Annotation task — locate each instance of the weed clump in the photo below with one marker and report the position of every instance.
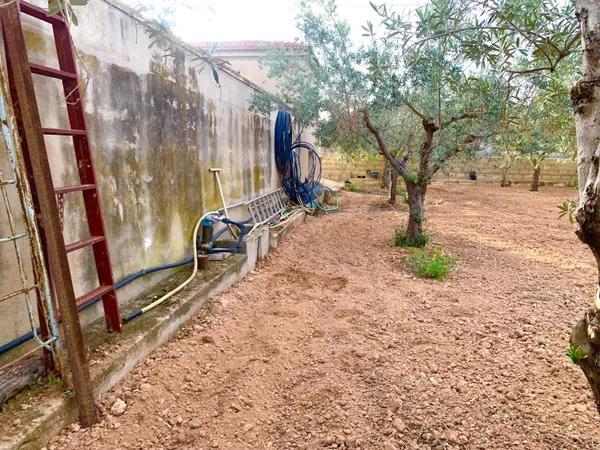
(431, 264)
(576, 354)
(351, 187)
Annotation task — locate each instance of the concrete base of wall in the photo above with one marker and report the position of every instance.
(32, 418)
(278, 234)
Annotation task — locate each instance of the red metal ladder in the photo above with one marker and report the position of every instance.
(67, 73)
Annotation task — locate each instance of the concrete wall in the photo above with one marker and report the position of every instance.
(13, 317)
(156, 125)
(554, 172)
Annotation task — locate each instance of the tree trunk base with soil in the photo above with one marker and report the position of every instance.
(416, 201)
(586, 338)
(385, 178)
(535, 182)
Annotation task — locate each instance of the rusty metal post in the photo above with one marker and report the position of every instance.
(25, 105)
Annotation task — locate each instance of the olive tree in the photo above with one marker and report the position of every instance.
(389, 90)
(534, 37)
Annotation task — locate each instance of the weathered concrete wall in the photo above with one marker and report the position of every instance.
(156, 125)
(554, 172)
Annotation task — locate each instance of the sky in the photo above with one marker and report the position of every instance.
(234, 20)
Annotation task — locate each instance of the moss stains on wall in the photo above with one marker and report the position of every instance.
(36, 44)
(158, 140)
(156, 125)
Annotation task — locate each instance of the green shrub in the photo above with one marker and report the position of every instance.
(431, 264)
(351, 187)
(402, 240)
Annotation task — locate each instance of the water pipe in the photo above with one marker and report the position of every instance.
(138, 312)
(130, 278)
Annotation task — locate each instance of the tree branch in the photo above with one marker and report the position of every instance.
(469, 115)
(399, 166)
(416, 111)
(470, 139)
(533, 70)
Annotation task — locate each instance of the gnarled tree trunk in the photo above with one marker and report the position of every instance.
(504, 180)
(386, 176)
(535, 181)
(416, 203)
(586, 99)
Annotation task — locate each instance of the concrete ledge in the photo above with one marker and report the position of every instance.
(33, 417)
(335, 186)
(277, 234)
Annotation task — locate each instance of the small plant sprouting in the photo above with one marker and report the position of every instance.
(54, 380)
(351, 187)
(69, 393)
(51, 381)
(567, 208)
(576, 354)
(402, 240)
(431, 264)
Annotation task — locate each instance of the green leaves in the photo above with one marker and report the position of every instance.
(500, 34)
(65, 6)
(576, 354)
(567, 208)
(55, 6)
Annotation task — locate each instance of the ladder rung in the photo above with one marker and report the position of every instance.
(39, 13)
(7, 182)
(81, 187)
(63, 132)
(84, 243)
(53, 73)
(13, 238)
(88, 298)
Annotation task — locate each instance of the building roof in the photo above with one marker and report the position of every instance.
(253, 45)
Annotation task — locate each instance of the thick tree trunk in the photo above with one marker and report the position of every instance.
(416, 202)
(385, 178)
(393, 187)
(504, 180)
(586, 99)
(535, 181)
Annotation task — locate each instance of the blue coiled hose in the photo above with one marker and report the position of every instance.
(302, 190)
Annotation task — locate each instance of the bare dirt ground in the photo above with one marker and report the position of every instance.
(333, 343)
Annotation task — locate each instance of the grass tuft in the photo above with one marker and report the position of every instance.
(351, 187)
(576, 354)
(402, 240)
(431, 264)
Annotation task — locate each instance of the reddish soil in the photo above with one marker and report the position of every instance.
(334, 343)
